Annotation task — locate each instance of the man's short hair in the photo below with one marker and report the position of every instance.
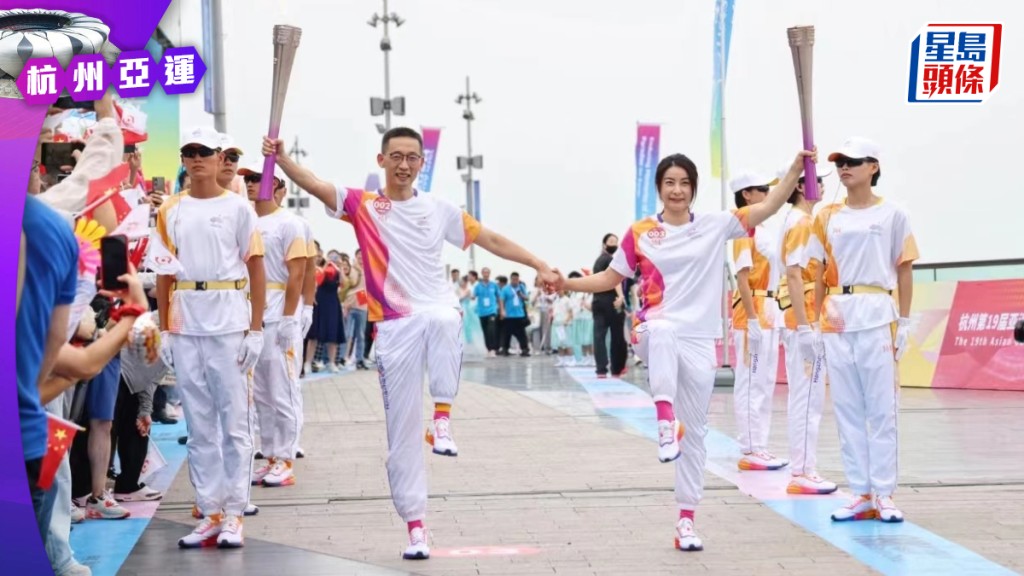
(399, 132)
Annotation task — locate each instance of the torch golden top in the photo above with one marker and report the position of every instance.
(801, 35)
(287, 35)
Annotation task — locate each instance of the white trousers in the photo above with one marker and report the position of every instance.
(806, 383)
(408, 349)
(215, 395)
(865, 396)
(682, 371)
(275, 389)
(753, 389)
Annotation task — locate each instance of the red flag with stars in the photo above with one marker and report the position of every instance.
(58, 442)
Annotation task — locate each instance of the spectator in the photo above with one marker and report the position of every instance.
(513, 313)
(486, 295)
(609, 315)
(355, 307)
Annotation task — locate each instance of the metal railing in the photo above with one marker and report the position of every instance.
(976, 270)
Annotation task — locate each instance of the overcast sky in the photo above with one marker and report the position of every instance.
(565, 82)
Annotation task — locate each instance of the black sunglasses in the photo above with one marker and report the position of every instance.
(760, 188)
(253, 178)
(193, 151)
(232, 157)
(851, 162)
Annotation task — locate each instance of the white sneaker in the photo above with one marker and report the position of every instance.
(887, 510)
(686, 539)
(231, 534)
(439, 435)
(280, 475)
(77, 515)
(105, 508)
(260, 473)
(559, 363)
(669, 434)
(810, 484)
(492, 354)
(205, 534)
(143, 494)
(761, 460)
(417, 549)
(333, 368)
(860, 508)
(251, 509)
(307, 369)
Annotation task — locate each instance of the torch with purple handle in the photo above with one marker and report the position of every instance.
(286, 42)
(801, 44)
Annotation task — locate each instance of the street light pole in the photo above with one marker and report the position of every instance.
(296, 201)
(387, 105)
(469, 161)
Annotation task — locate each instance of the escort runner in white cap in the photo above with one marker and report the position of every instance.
(204, 246)
(754, 317)
(419, 323)
(805, 358)
(867, 248)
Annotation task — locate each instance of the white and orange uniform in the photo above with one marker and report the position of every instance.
(755, 368)
(300, 346)
(210, 240)
(862, 249)
(275, 378)
(805, 376)
(419, 319)
(679, 319)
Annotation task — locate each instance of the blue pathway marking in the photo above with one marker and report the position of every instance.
(896, 549)
(104, 545)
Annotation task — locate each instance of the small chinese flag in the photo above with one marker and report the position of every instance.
(58, 442)
(108, 188)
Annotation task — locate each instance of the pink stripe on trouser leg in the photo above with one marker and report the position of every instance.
(695, 359)
(806, 383)
(401, 356)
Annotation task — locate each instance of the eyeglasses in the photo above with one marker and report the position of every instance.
(232, 157)
(762, 189)
(193, 151)
(851, 162)
(253, 178)
(412, 159)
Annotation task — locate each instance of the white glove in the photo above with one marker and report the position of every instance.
(754, 336)
(288, 332)
(252, 345)
(809, 341)
(902, 337)
(307, 320)
(165, 349)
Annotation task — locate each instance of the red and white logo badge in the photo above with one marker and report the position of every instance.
(656, 235)
(382, 205)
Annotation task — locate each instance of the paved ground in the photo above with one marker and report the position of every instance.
(547, 484)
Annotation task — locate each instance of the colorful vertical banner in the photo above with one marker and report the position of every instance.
(723, 36)
(431, 136)
(476, 200)
(648, 137)
(160, 151)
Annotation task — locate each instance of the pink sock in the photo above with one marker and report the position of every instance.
(686, 514)
(415, 524)
(664, 409)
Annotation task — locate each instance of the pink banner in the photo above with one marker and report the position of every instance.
(431, 137)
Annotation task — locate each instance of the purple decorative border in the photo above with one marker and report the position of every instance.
(131, 25)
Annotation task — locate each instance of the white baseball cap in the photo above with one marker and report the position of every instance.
(749, 180)
(201, 135)
(257, 168)
(228, 143)
(857, 147)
